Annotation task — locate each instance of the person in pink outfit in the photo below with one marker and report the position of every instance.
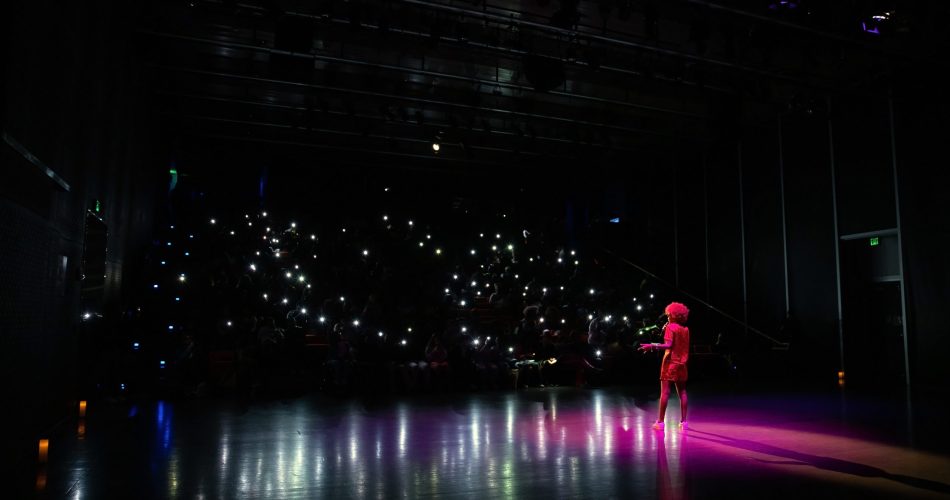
(673, 367)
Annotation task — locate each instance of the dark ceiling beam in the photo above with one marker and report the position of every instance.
(397, 97)
(378, 119)
(414, 71)
(359, 152)
(489, 16)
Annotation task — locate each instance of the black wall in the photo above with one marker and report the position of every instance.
(74, 98)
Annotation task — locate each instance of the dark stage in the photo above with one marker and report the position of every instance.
(535, 443)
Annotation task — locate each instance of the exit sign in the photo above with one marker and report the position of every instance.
(875, 242)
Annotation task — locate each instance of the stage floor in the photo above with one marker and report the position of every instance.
(535, 443)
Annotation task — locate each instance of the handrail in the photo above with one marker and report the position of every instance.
(697, 299)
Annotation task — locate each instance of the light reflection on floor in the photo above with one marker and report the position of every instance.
(551, 443)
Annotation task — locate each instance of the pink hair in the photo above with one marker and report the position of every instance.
(677, 312)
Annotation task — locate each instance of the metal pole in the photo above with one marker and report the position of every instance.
(676, 230)
(834, 214)
(706, 217)
(781, 182)
(745, 304)
(900, 240)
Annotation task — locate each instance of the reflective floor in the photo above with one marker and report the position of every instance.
(555, 443)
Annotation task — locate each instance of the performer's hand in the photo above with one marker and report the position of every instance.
(646, 347)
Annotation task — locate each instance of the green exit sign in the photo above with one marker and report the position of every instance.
(875, 242)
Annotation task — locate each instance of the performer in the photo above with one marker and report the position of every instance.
(673, 367)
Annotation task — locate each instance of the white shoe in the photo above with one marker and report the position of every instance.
(658, 426)
(684, 425)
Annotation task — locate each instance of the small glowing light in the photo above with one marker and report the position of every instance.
(214, 221)
(191, 236)
(284, 301)
(308, 285)
(410, 222)
(386, 190)
(524, 294)
(313, 236)
(590, 316)
(428, 236)
(516, 276)
(447, 290)
(541, 320)
(403, 342)
(526, 287)
(344, 229)
(249, 224)
(511, 247)
(264, 214)
(472, 251)
(544, 290)
(365, 253)
(651, 295)
(436, 147)
(577, 262)
(267, 229)
(86, 315)
(634, 299)
(409, 329)
(293, 224)
(438, 251)
(599, 353)
(474, 284)
(494, 248)
(639, 308)
(625, 318)
(161, 364)
(303, 310)
(530, 259)
(563, 321)
(155, 286)
(573, 252)
(455, 276)
(163, 262)
(177, 299)
(253, 267)
(265, 296)
(511, 349)
(478, 293)
(421, 244)
(385, 218)
(475, 341)
(560, 260)
(301, 278)
(342, 298)
(181, 278)
(462, 303)
(289, 275)
(232, 233)
(609, 317)
(171, 327)
(356, 322)
(229, 323)
(497, 236)
(481, 235)
(247, 216)
(168, 244)
(464, 329)
(135, 345)
(380, 334)
(591, 291)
